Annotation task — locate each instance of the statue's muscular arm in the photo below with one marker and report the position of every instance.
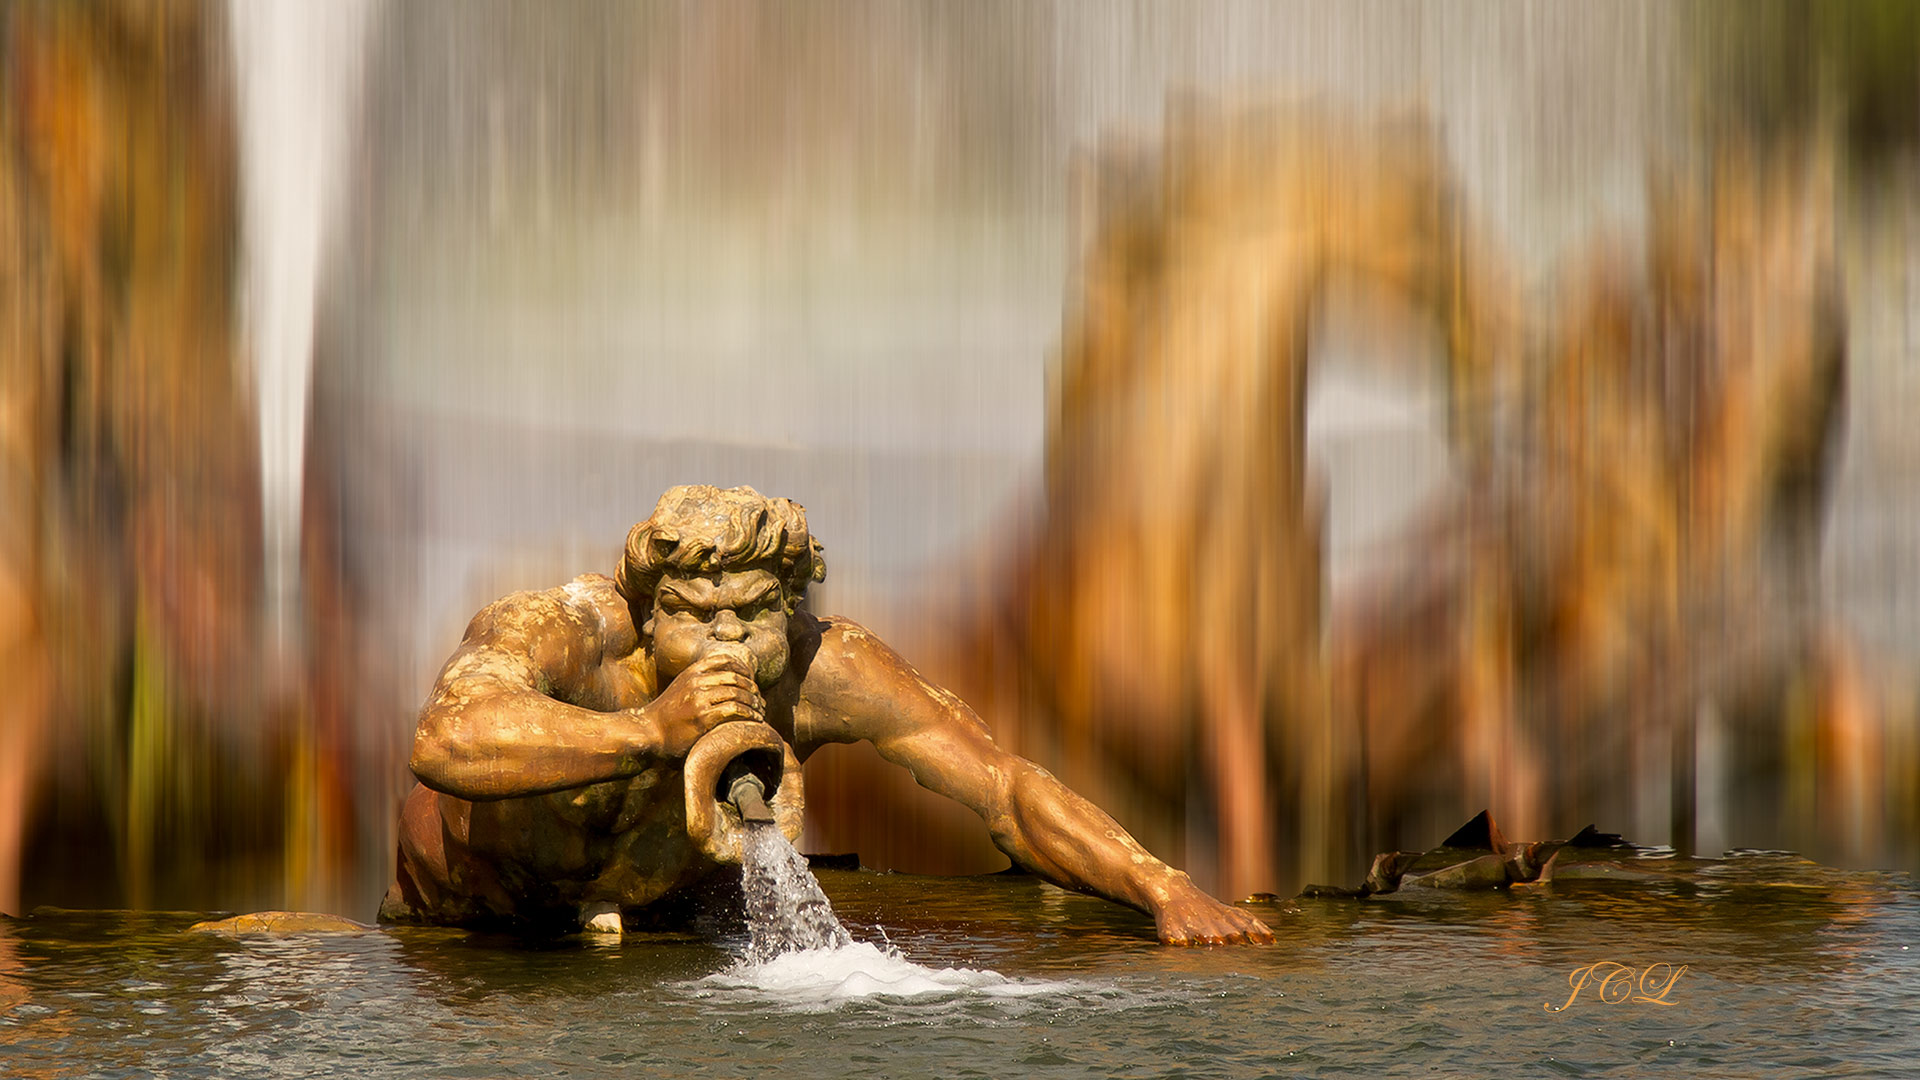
(536, 699)
(858, 688)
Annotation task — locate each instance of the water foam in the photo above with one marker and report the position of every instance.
(858, 970)
(799, 955)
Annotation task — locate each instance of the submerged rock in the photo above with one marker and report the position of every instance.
(1316, 892)
(280, 922)
(1557, 870)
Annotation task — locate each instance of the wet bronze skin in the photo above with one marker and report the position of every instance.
(549, 750)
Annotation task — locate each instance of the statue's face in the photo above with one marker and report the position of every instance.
(743, 609)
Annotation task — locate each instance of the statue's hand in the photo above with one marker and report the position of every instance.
(713, 690)
(1191, 917)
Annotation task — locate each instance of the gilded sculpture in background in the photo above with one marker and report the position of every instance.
(1641, 460)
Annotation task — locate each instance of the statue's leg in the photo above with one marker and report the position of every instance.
(436, 880)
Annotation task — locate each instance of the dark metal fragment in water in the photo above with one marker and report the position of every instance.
(1478, 856)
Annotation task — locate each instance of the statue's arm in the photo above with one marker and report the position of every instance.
(1035, 819)
(519, 709)
(495, 725)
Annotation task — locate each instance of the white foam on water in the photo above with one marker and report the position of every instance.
(800, 956)
(812, 979)
(862, 970)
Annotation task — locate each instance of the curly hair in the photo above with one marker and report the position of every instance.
(700, 529)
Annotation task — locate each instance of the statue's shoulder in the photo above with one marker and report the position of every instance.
(847, 644)
(594, 593)
(589, 605)
(858, 687)
(838, 629)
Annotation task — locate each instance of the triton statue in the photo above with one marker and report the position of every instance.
(550, 753)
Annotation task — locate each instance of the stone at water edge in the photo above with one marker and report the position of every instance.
(602, 918)
(280, 922)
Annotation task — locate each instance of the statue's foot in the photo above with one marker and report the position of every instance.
(601, 918)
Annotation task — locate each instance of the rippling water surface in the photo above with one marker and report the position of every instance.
(1789, 969)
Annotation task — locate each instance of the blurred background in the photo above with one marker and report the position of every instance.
(1299, 426)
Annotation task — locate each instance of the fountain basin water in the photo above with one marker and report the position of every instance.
(1793, 970)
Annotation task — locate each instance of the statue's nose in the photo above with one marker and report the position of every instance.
(728, 627)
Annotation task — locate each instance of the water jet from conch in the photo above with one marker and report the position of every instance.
(786, 911)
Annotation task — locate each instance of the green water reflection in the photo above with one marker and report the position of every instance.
(1791, 969)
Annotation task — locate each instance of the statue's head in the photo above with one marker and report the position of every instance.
(713, 566)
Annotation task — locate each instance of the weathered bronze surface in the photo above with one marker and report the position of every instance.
(551, 751)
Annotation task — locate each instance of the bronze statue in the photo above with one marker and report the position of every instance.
(551, 748)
